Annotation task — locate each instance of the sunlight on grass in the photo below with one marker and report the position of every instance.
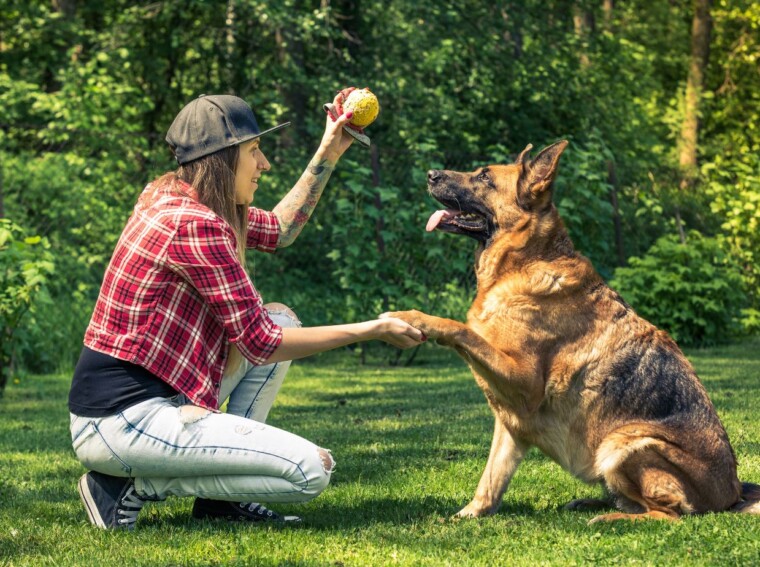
(410, 444)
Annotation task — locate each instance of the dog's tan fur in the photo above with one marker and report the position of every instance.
(567, 366)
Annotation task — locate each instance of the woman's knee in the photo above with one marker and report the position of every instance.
(319, 469)
(282, 315)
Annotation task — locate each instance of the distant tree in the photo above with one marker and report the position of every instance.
(700, 51)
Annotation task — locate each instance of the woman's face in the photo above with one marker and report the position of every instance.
(251, 164)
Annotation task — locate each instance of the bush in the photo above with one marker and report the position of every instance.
(25, 264)
(691, 290)
(733, 186)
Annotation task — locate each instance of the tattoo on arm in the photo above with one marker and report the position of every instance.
(296, 207)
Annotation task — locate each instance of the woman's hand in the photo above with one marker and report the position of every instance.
(335, 141)
(398, 333)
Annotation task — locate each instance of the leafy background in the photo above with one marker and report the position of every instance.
(88, 89)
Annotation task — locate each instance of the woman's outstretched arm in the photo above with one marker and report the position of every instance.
(302, 342)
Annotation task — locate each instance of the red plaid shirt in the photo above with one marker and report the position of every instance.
(175, 294)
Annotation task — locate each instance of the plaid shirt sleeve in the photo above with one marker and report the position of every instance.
(202, 252)
(263, 230)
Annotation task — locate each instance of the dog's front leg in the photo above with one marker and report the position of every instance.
(513, 379)
(503, 460)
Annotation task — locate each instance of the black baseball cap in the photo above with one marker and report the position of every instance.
(211, 123)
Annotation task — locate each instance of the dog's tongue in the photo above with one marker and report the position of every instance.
(437, 216)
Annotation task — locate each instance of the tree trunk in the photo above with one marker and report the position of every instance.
(66, 7)
(612, 179)
(608, 6)
(700, 50)
(2, 199)
(69, 9)
(583, 24)
(324, 5)
(290, 53)
(229, 48)
(349, 17)
(5, 365)
(512, 30)
(583, 21)
(380, 222)
(160, 92)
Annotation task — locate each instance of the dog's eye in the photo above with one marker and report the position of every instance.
(483, 176)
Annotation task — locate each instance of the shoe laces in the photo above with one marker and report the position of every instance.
(256, 508)
(132, 505)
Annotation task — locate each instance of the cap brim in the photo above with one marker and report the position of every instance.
(260, 134)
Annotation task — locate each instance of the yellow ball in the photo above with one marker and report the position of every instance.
(364, 105)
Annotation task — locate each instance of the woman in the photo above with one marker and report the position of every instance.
(179, 328)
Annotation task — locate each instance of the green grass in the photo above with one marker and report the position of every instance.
(410, 444)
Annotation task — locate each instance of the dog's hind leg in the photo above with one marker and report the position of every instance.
(649, 488)
(503, 460)
(640, 468)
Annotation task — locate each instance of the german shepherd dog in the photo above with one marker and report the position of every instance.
(567, 366)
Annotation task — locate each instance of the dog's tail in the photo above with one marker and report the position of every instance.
(750, 502)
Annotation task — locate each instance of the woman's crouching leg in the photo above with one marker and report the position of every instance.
(184, 450)
(189, 451)
(311, 478)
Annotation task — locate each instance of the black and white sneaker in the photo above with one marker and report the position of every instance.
(111, 502)
(204, 508)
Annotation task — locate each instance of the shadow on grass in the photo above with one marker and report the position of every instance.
(327, 516)
(436, 516)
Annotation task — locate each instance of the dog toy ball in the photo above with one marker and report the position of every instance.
(363, 103)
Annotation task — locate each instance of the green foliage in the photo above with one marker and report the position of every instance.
(582, 195)
(692, 290)
(731, 170)
(25, 265)
(734, 186)
(86, 96)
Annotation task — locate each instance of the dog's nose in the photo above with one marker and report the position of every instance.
(434, 176)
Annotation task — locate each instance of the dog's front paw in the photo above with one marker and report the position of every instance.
(434, 327)
(475, 510)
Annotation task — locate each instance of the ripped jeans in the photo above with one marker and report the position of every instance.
(172, 448)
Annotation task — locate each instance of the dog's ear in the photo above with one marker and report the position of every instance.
(538, 174)
(524, 155)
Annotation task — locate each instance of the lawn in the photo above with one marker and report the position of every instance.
(410, 444)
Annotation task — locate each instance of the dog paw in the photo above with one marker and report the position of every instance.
(416, 319)
(618, 516)
(473, 510)
(587, 505)
(435, 328)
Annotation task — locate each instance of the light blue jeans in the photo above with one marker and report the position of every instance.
(172, 448)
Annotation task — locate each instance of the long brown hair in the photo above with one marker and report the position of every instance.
(213, 177)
